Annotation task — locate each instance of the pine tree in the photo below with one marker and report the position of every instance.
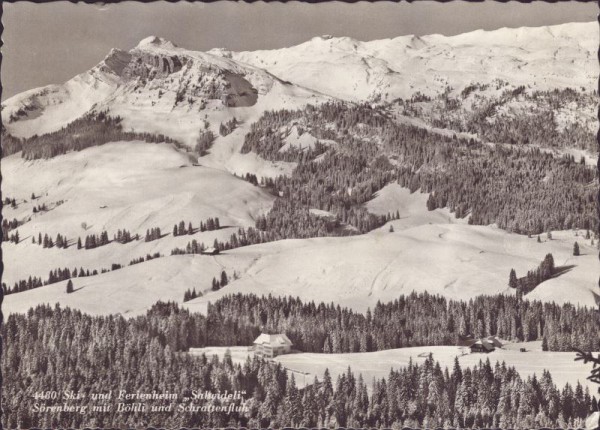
(544, 344)
(512, 279)
(519, 294)
(69, 287)
(576, 249)
(391, 228)
(224, 280)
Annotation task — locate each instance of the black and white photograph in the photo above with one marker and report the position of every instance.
(300, 215)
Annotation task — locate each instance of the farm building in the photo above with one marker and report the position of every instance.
(482, 345)
(466, 340)
(272, 345)
(495, 341)
(488, 344)
(210, 251)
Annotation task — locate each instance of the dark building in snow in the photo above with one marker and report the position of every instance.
(482, 345)
(488, 344)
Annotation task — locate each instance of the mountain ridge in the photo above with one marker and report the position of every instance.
(374, 70)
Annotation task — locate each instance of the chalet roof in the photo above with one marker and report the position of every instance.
(466, 340)
(495, 341)
(487, 345)
(210, 251)
(273, 339)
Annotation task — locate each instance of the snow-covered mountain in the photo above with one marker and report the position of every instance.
(157, 87)
(543, 57)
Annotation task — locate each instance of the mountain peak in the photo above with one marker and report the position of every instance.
(156, 41)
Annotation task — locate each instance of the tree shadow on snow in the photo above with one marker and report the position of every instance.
(561, 270)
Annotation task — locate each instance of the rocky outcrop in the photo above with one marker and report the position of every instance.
(116, 61)
(152, 65)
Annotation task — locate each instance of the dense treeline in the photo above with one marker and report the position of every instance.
(152, 234)
(217, 284)
(191, 294)
(62, 349)
(23, 285)
(47, 242)
(538, 126)
(228, 127)
(250, 177)
(10, 144)
(125, 236)
(10, 201)
(243, 237)
(143, 259)
(204, 142)
(7, 226)
(525, 191)
(414, 320)
(209, 225)
(54, 276)
(93, 241)
(14, 237)
(40, 208)
(491, 117)
(58, 275)
(92, 129)
(526, 284)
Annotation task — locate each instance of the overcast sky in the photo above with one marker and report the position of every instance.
(52, 42)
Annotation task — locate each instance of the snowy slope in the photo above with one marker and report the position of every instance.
(125, 185)
(545, 57)
(428, 251)
(454, 260)
(130, 185)
(129, 291)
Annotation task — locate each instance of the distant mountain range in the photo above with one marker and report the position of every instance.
(157, 83)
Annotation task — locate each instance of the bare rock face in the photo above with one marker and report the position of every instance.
(239, 92)
(116, 61)
(147, 65)
(196, 80)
